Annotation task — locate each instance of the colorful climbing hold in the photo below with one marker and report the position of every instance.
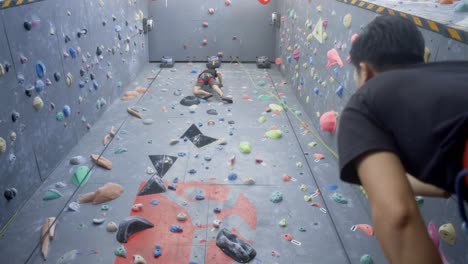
(275, 107)
(339, 198)
(3, 146)
(328, 121)
(52, 194)
(334, 58)
(347, 20)
(262, 119)
(274, 134)
(366, 259)
(120, 252)
(276, 197)
(66, 110)
(283, 223)
(244, 147)
(59, 116)
(176, 229)
(81, 176)
(232, 176)
(447, 233)
(38, 103)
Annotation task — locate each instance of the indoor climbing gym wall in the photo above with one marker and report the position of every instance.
(62, 63)
(194, 30)
(313, 47)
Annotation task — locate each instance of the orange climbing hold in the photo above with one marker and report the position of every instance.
(315, 204)
(319, 156)
(328, 121)
(334, 58)
(445, 2)
(278, 61)
(288, 237)
(286, 178)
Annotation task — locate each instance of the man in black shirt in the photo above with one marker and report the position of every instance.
(208, 77)
(403, 133)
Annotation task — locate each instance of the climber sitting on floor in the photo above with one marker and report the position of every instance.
(208, 77)
(403, 134)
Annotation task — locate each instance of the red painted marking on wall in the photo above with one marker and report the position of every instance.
(242, 208)
(177, 247)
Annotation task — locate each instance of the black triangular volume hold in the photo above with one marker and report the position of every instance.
(162, 163)
(202, 140)
(153, 186)
(191, 132)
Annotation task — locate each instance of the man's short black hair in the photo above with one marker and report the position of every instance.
(388, 42)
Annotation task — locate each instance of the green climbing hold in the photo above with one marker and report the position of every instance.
(244, 147)
(120, 252)
(366, 259)
(51, 194)
(276, 197)
(274, 134)
(339, 198)
(262, 119)
(292, 13)
(312, 144)
(120, 150)
(299, 164)
(80, 176)
(104, 207)
(283, 223)
(275, 107)
(419, 201)
(298, 113)
(261, 83)
(60, 116)
(264, 97)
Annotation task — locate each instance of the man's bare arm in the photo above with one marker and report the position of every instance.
(398, 224)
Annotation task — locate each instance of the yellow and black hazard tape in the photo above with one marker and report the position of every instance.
(449, 32)
(13, 3)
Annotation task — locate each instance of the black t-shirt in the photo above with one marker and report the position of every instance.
(418, 113)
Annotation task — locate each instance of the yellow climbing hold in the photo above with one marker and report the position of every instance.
(275, 107)
(447, 233)
(312, 144)
(318, 31)
(305, 65)
(3, 145)
(69, 79)
(101, 3)
(307, 198)
(332, 80)
(427, 54)
(312, 72)
(297, 67)
(38, 103)
(319, 8)
(318, 114)
(347, 20)
(310, 37)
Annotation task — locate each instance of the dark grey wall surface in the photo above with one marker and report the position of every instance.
(42, 141)
(293, 34)
(242, 29)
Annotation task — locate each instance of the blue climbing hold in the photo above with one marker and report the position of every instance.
(181, 154)
(193, 71)
(117, 28)
(172, 187)
(72, 52)
(81, 84)
(200, 124)
(199, 197)
(311, 60)
(40, 69)
(157, 251)
(289, 59)
(221, 119)
(316, 90)
(192, 171)
(339, 91)
(301, 81)
(176, 229)
(207, 158)
(95, 85)
(336, 70)
(232, 176)
(39, 86)
(175, 180)
(192, 111)
(154, 202)
(66, 110)
(331, 187)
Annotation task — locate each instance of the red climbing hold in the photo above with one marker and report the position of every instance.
(278, 61)
(288, 237)
(264, 2)
(328, 121)
(286, 178)
(334, 58)
(367, 229)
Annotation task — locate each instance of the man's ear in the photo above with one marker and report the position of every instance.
(366, 71)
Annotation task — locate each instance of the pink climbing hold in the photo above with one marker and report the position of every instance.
(334, 58)
(354, 37)
(296, 54)
(328, 121)
(433, 234)
(278, 61)
(23, 59)
(366, 229)
(227, 2)
(324, 24)
(264, 2)
(205, 42)
(205, 24)
(211, 11)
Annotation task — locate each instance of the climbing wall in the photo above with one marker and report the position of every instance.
(309, 30)
(63, 63)
(240, 28)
